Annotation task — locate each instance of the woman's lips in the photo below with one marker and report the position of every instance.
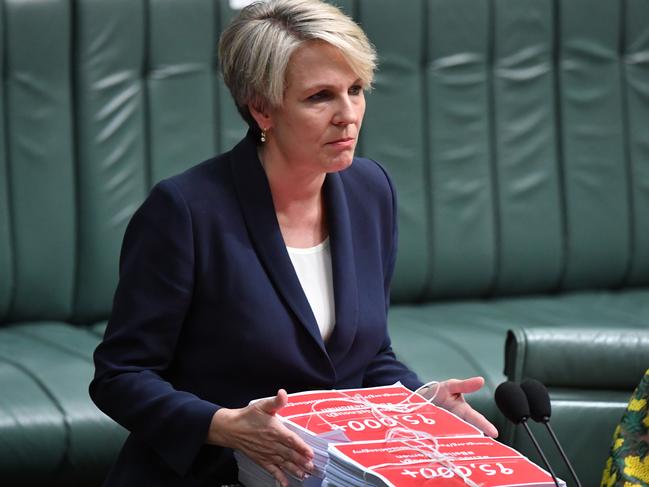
(345, 143)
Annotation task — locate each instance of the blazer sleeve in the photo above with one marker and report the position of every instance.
(385, 368)
(150, 304)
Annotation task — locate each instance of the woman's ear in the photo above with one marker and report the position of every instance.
(261, 114)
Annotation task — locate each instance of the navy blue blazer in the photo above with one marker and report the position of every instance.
(209, 312)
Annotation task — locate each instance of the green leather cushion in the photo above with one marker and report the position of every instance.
(31, 426)
(465, 338)
(590, 373)
(452, 341)
(584, 358)
(98, 328)
(584, 422)
(51, 432)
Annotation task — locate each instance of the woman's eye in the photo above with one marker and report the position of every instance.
(319, 96)
(355, 90)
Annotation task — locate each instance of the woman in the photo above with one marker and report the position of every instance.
(267, 267)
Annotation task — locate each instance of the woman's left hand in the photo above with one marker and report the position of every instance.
(449, 394)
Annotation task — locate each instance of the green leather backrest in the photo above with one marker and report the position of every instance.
(516, 132)
(393, 131)
(565, 357)
(100, 99)
(6, 264)
(113, 163)
(595, 170)
(38, 172)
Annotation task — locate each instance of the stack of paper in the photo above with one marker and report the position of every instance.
(321, 418)
(443, 462)
(252, 475)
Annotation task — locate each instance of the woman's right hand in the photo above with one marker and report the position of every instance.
(256, 431)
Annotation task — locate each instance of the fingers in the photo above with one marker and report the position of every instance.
(277, 473)
(465, 386)
(273, 436)
(298, 445)
(284, 453)
(277, 442)
(283, 460)
(273, 404)
(286, 461)
(452, 399)
(479, 421)
(258, 433)
(277, 449)
(295, 465)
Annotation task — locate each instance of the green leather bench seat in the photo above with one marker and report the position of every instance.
(98, 328)
(465, 338)
(468, 334)
(584, 423)
(589, 372)
(26, 408)
(515, 132)
(51, 434)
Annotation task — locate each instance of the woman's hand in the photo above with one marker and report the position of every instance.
(449, 394)
(255, 431)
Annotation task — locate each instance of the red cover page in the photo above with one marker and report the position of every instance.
(312, 401)
(368, 414)
(482, 460)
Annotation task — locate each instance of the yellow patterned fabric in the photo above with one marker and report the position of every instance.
(628, 465)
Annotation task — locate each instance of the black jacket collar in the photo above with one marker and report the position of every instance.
(256, 202)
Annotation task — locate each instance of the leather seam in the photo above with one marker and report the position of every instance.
(11, 223)
(50, 343)
(558, 130)
(492, 286)
(74, 109)
(626, 146)
(145, 70)
(67, 440)
(216, 84)
(428, 287)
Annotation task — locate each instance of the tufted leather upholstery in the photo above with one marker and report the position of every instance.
(515, 132)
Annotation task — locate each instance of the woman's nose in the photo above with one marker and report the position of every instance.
(346, 113)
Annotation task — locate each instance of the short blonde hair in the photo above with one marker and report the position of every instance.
(256, 47)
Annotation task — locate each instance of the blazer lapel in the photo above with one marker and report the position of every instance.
(261, 221)
(343, 267)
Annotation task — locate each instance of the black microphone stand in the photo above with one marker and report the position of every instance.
(540, 409)
(513, 403)
(538, 449)
(546, 422)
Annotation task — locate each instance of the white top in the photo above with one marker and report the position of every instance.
(313, 268)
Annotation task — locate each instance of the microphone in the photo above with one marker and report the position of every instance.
(512, 402)
(540, 411)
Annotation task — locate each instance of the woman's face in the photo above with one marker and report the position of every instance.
(316, 129)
